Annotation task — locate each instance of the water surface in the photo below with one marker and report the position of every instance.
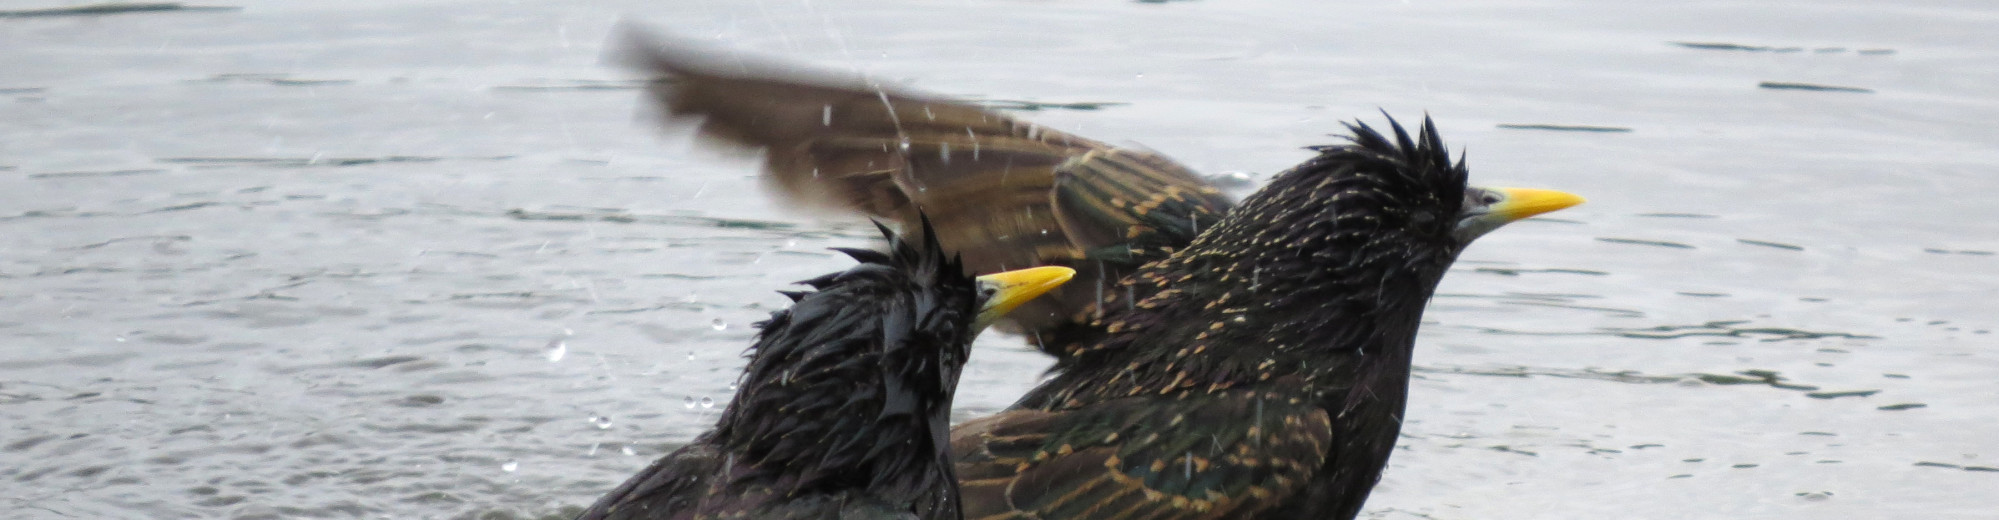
(419, 259)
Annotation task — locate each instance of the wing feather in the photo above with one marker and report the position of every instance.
(1003, 193)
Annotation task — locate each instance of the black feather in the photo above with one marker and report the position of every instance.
(845, 401)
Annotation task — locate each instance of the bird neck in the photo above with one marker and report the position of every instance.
(822, 439)
(1217, 317)
(852, 401)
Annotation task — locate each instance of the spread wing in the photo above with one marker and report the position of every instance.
(1229, 454)
(1004, 193)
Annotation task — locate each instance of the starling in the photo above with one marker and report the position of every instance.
(1261, 371)
(1214, 360)
(843, 410)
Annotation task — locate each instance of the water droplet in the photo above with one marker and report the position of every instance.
(689, 298)
(707, 402)
(627, 450)
(120, 339)
(718, 324)
(732, 387)
(593, 449)
(510, 466)
(602, 422)
(690, 355)
(690, 402)
(556, 349)
(558, 346)
(1140, 75)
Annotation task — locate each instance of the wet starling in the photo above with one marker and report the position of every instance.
(1214, 362)
(1261, 371)
(843, 409)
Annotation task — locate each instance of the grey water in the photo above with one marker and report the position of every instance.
(428, 259)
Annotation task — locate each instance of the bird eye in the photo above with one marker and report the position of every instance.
(1488, 199)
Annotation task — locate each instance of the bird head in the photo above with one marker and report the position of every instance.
(1359, 235)
(1388, 197)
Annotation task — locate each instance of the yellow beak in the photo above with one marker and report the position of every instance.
(1009, 289)
(1527, 202)
(1512, 204)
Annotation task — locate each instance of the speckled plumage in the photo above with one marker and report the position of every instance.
(843, 410)
(1259, 373)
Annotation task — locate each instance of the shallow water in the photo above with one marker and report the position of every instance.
(418, 259)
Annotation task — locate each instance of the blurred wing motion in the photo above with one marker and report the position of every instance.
(1006, 194)
(1227, 454)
